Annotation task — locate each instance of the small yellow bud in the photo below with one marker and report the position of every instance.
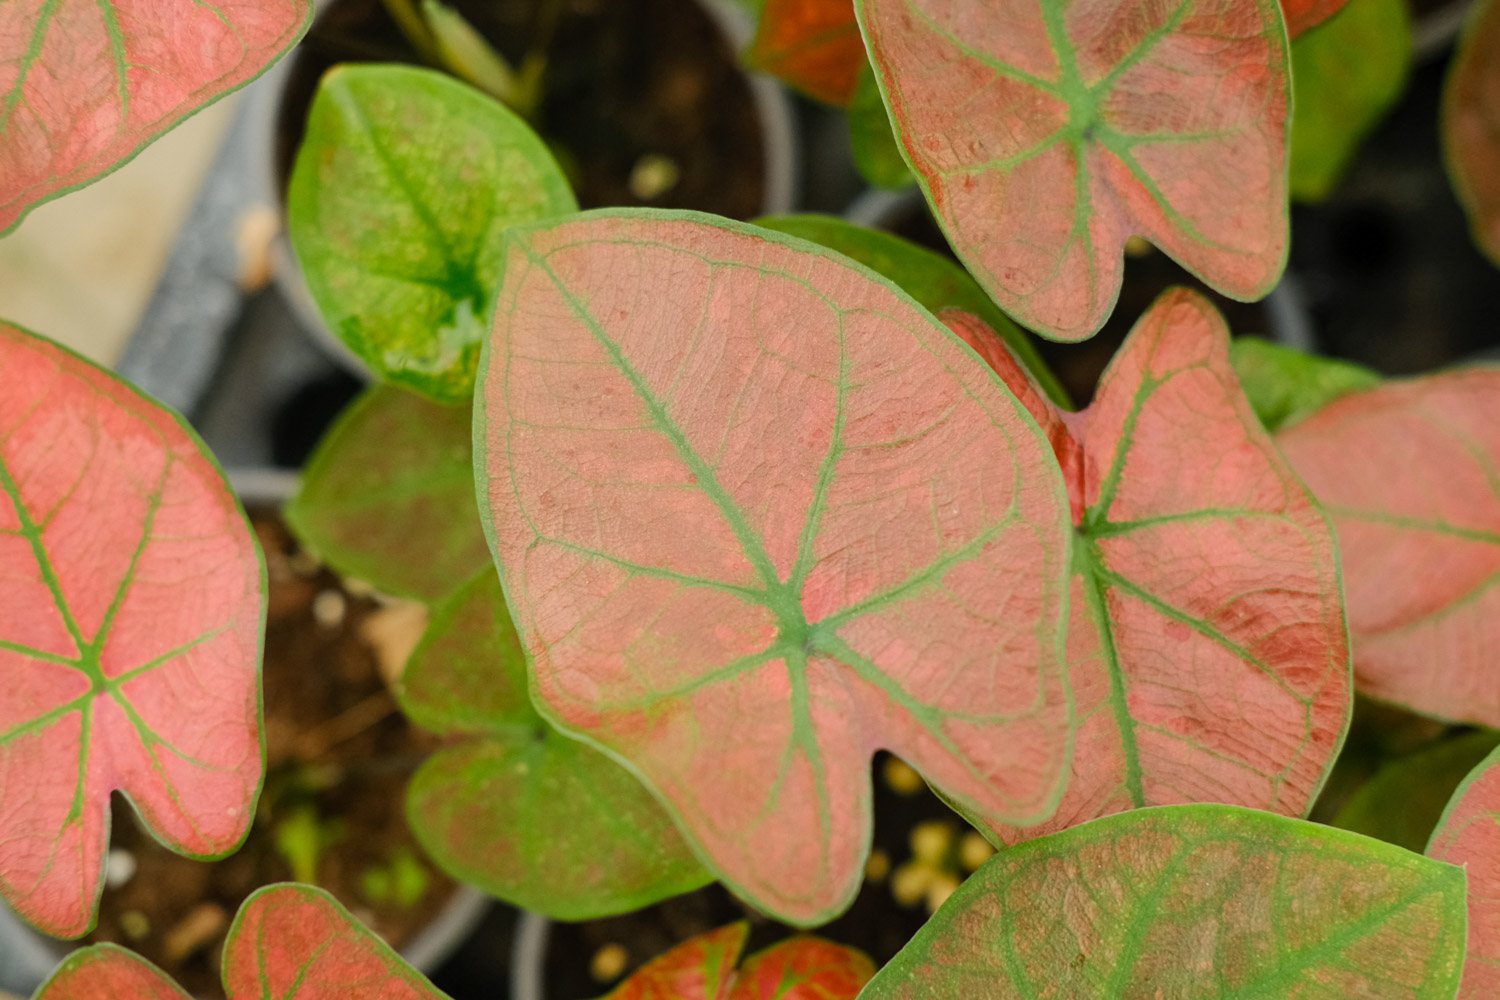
(942, 886)
(901, 778)
(931, 841)
(974, 850)
(878, 867)
(608, 963)
(909, 883)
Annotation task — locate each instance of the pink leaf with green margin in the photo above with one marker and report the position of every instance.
(292, 942)
(801, 968)
(1469, 835)
(1471, 124)
(1207, 649)
(1410, 474)
(757, 515)
(130, 646)
(1045, 134)
(1202, 902)
(86, 84)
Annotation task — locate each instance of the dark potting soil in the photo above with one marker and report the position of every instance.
(877, 923)
(624, 80)
(1078, 366)
(338, 753)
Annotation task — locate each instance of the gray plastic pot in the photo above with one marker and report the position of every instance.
(782, 162)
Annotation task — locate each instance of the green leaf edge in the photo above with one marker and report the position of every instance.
(981, 305)
(345, 560)
(486, 516)
(299, 199)
(524, 729)
(297, 35)
(1286, 159)
(1492, 759)
(904, 962)
(260, 638)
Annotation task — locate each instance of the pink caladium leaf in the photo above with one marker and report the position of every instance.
(84, 85)
(1471, 124)
(130, 644)
(1045, 134)
(1208, 902)
(1469, 835)
(1407, 472)
(757, 515)
(1207, 648)
(703, 968)
(289, 941)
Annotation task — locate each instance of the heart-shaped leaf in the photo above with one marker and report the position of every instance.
(814, 45)
(930, 278)
(1469, 835)
(1407, 472)
(703, 968)
(1284, 385)
(1471, 124)
(289, 941)
(404, 186)
(1207, 649)
(388, 497)
(1201, 902)
(133, 602)
(1345, 76)
(757, 515)
(518, 810)
(1044, 134)
(85, 85)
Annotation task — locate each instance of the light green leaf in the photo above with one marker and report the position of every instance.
(1346, 73)
(876, 152)
(398, 203)
(519, 810)
(1285, 385)
(1193, 903)
(388, 497)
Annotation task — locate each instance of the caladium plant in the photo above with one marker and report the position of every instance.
(291, 941)
(749, 511)
(84, 86)
(131, 634)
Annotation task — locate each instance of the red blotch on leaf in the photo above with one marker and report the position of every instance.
(1206, 644)
(1408, 473)
(814, 45)
(85, 84)
(703, 968)
(130, 640)
(290, 941)
(758, 516)
(1046, 134)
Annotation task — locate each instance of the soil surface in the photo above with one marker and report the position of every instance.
(338, 753)
(879, 924)
(624, 80)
